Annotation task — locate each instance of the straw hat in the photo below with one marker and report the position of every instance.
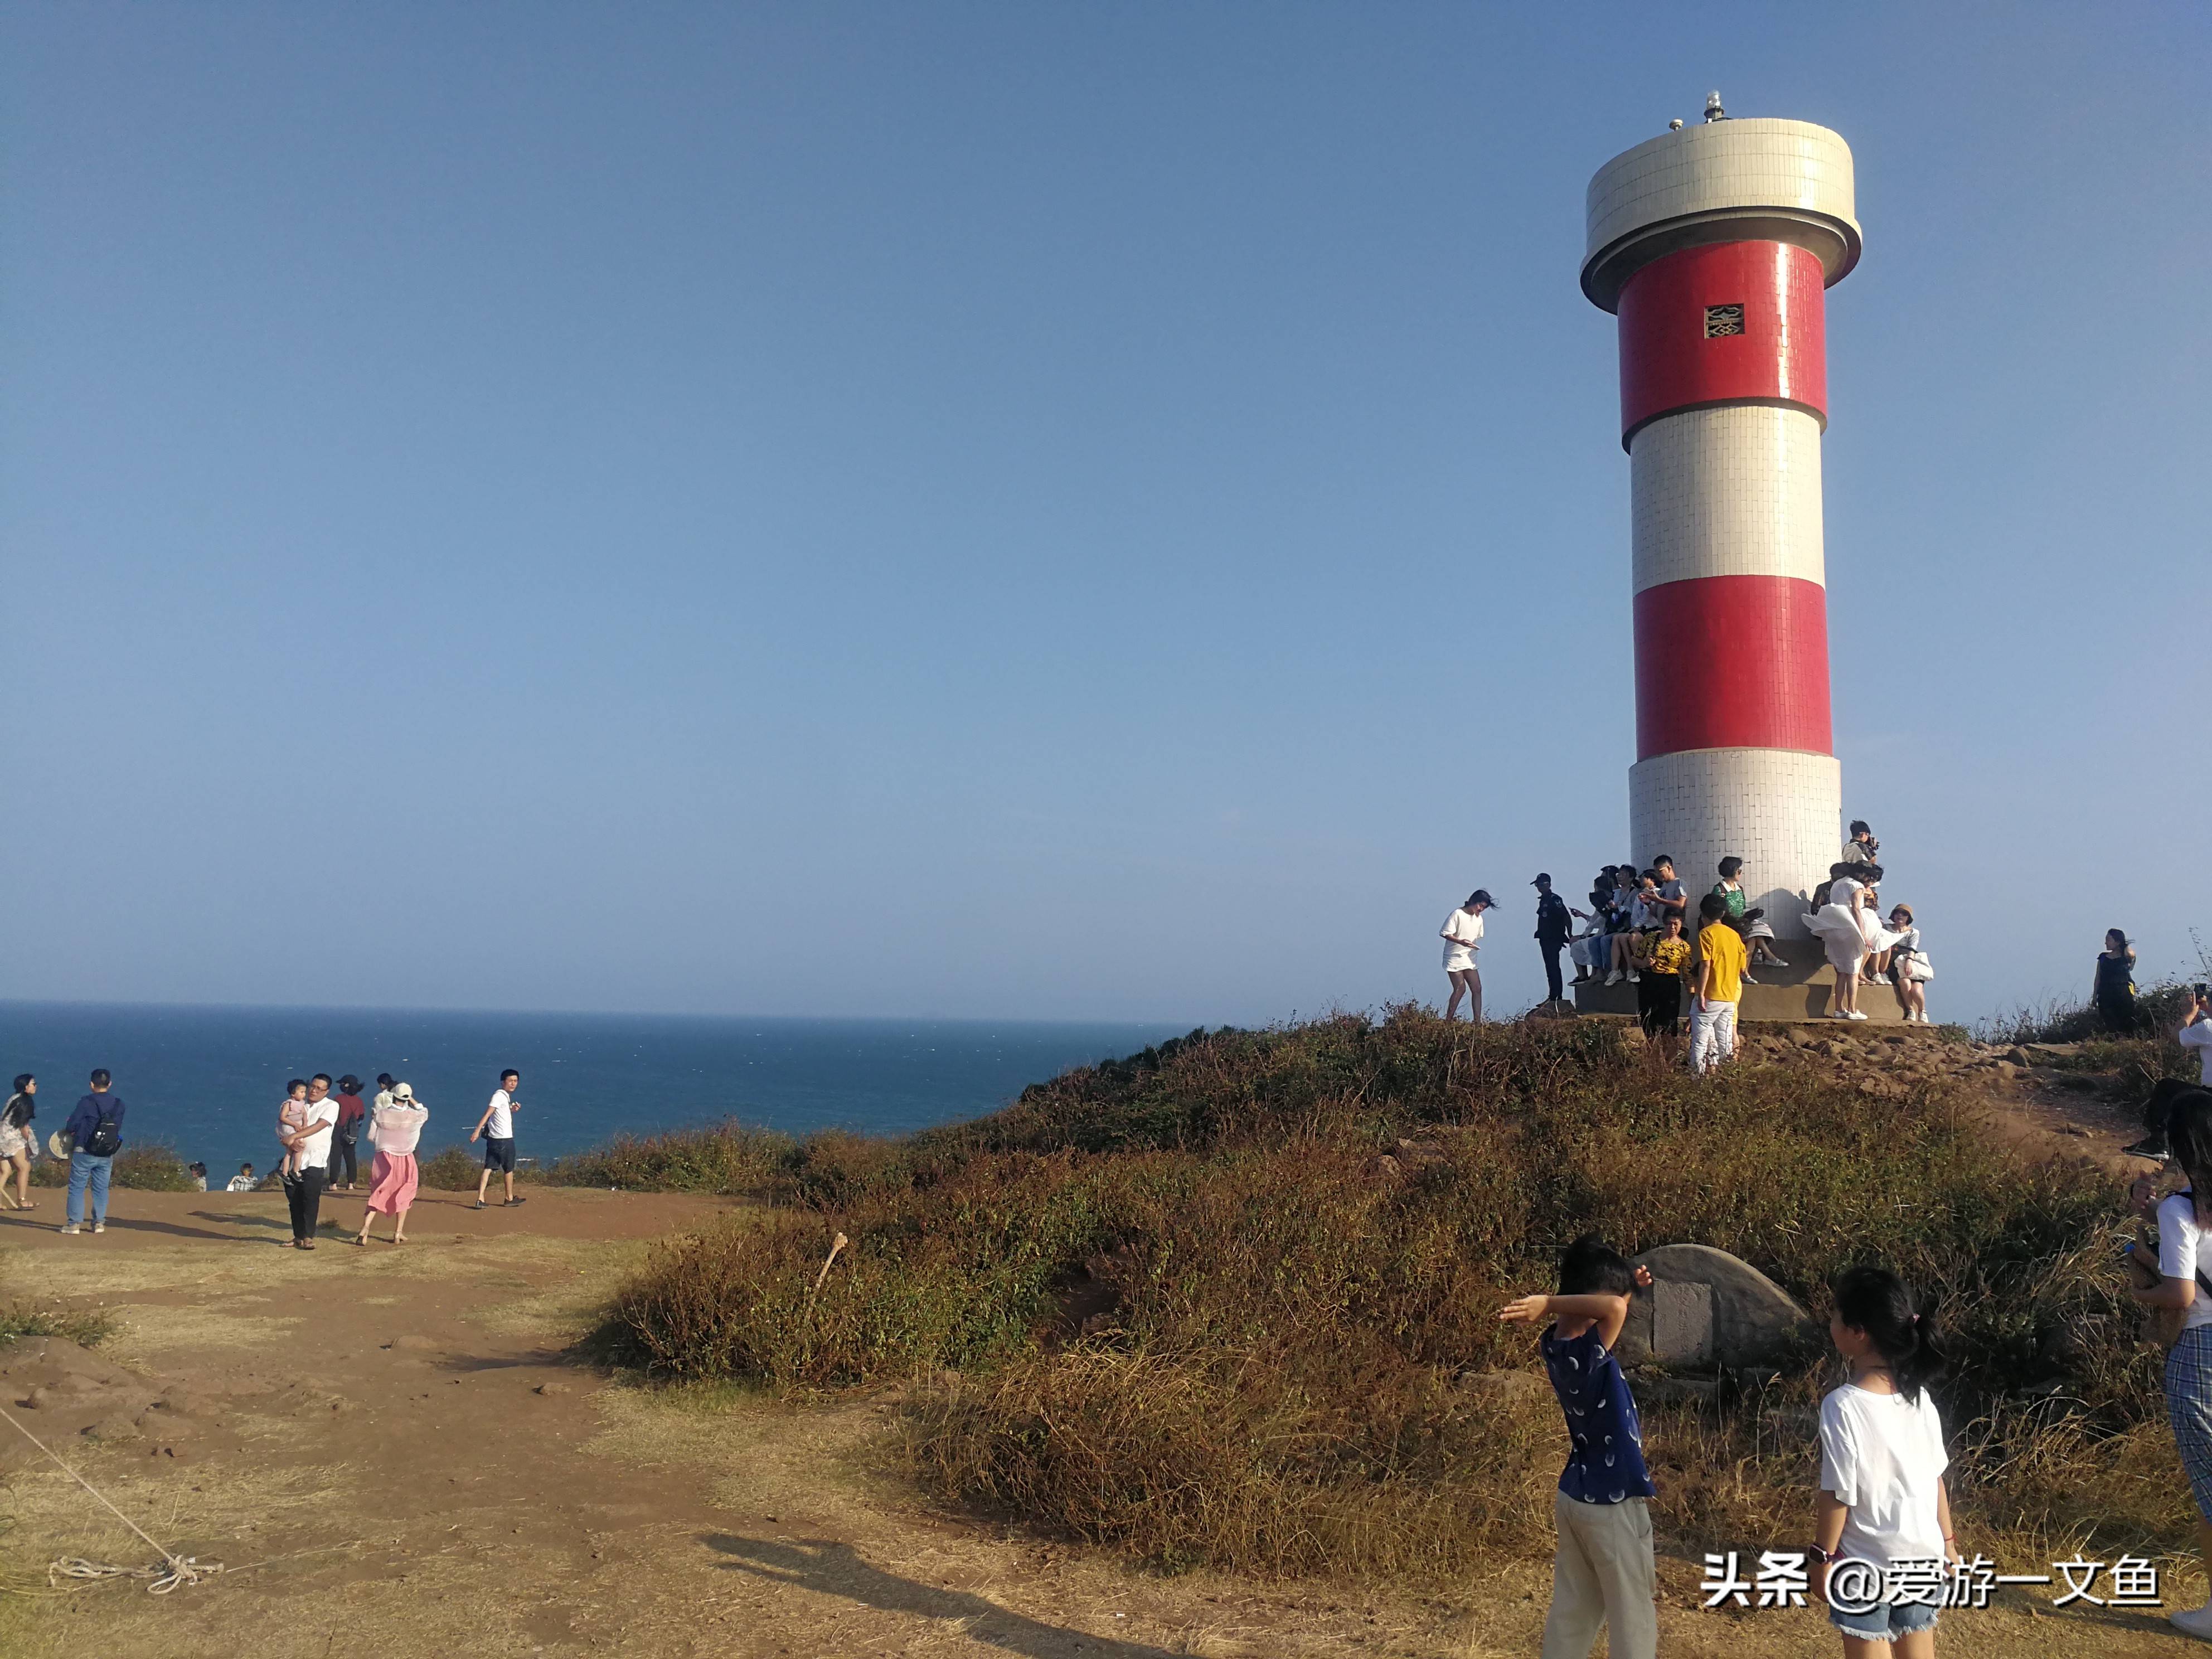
(57, 1145)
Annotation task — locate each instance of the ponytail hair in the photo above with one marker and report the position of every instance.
(2189, 1132)
(1876, 1300)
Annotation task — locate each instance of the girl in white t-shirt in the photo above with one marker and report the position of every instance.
(1883, 1508)
(2185, 1270)
(1462, 937)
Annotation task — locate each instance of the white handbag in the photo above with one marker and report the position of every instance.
(1919, 969)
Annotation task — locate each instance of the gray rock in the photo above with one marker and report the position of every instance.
(1708, 1308)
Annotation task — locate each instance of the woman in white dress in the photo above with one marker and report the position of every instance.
(1462, 937)
(1837, 926)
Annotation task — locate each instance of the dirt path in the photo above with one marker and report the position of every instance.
(390, 1452)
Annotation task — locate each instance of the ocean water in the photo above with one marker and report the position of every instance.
(207, 1080)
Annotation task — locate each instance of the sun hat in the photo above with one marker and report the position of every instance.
(348, 1084)
(58, 1144)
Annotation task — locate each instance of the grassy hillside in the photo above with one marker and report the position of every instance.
(1233, 1300)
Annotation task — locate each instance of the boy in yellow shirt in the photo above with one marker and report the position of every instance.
(1722, 960)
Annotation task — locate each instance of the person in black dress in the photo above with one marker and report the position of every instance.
(2114, 993)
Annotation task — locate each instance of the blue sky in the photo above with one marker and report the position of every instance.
(1011, 510)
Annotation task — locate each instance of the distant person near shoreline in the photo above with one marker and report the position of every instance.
(496, 1126)
(347, 1135)
(93, 1134)
(1462, 937)
(1555, 927)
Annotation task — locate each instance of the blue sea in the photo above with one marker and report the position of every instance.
(207, 1080)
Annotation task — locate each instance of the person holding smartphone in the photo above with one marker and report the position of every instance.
(2196, 1033)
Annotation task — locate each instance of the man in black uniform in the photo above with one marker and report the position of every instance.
(1554, 927)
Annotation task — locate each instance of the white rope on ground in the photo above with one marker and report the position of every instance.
(174, 1570)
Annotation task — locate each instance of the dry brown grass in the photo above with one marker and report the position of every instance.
(1190, 1317)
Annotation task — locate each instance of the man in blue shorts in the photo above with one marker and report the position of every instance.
(496, 1126)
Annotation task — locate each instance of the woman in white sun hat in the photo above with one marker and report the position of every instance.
(395, 1129)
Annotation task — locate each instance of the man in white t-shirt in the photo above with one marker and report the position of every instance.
(496, 1126)
(304, 1190)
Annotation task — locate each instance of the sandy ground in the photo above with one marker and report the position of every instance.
(391, 1455)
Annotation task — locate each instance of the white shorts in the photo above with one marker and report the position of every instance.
(1457, 958)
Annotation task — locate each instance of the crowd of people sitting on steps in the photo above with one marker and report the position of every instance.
(1642, 928)
(320, 1123)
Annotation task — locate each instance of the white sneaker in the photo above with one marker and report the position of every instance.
(1747, 978)
(68, 1229)
(1634, 978)
(99, 1226)
(1837, 1013)
(1614, 977)
(1854, 1014)
(2192, 1621)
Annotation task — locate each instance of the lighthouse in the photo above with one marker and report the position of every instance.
(1715, 244)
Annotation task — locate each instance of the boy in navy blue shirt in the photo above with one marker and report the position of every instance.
(1603, 1574)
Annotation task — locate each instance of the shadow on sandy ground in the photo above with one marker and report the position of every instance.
(835, 1569)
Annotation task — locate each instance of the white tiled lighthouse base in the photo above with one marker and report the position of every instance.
(1778, 810)
(1726, 492)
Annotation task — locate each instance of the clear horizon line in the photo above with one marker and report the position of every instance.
(583, 1013)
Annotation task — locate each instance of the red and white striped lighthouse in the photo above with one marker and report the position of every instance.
(1715, 244)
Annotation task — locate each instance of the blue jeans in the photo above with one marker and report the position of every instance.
(86, 1170)
(1883, 1624)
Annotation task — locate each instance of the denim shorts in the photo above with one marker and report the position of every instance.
(1883, 1624)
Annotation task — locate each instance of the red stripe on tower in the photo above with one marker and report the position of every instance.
(1725, 323)
(1729, 662)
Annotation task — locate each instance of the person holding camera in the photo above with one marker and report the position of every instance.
(2195, 1035)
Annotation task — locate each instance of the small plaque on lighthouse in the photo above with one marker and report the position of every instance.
(1722, 319)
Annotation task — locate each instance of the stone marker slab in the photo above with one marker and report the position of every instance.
(1708, 1308)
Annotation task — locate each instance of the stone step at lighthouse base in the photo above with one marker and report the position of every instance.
(1798, 992)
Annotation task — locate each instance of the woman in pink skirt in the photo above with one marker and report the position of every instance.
(394, 1130)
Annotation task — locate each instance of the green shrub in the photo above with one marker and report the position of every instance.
(1180, 1303)
(151, 1166)
(725, 1157)
(455, 1169)
(83, 1326)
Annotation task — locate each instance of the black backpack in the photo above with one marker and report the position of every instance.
(106, 1139)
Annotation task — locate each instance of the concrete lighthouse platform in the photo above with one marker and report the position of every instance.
(1797, 992)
